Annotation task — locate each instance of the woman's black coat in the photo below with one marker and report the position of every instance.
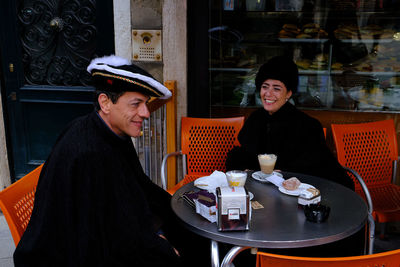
(296, 138)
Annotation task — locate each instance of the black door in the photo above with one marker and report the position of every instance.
(44, 51)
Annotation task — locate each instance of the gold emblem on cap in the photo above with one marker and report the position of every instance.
(126, 80)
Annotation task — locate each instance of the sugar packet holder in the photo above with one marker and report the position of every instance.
(203, 202)
(210, 213)
(309, 196)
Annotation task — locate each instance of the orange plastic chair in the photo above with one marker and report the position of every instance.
(387, 259)
(205, 142)
(370, 149)
(16, 202)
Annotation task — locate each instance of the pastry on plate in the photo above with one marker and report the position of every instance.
(291, 184)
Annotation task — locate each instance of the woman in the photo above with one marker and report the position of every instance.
(280, 128)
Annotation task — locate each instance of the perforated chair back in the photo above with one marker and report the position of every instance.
(387, 259)
(368, 148)
(16, 203)
(207, 141)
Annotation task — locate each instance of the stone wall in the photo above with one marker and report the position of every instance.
(5, 178)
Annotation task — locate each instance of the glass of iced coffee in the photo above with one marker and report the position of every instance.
(267, 162)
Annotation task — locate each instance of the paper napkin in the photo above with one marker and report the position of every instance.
(275, 179)
(211, 182)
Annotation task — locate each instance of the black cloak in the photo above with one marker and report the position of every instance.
(296, 138)
(94, 206)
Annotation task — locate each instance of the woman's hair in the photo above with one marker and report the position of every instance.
(281, 68)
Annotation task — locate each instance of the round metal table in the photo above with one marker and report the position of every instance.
(281, 223)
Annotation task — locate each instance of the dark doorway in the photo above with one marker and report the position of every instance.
(45, 47)
(198, 44)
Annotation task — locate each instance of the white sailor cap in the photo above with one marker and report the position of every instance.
(112, 73)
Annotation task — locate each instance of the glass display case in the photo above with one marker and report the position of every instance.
(347, 52)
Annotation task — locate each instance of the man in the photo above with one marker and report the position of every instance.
(94, 206)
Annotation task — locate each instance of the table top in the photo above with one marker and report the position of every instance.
(281, 223)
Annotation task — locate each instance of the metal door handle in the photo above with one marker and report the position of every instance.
(13, 96)
(57, 24)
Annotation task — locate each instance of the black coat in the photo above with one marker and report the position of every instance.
(296, 138)
(94, 206)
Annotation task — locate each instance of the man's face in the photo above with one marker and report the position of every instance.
(126, 116)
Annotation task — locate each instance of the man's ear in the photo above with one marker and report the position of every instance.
(104, 102)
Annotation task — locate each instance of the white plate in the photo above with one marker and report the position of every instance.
(262, 177)
(296, 192)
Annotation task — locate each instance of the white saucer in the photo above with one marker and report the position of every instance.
(296, 192)
(262, 177)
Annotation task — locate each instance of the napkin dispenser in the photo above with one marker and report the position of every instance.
(233, 207)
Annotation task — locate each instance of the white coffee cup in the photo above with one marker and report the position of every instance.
(236, 178)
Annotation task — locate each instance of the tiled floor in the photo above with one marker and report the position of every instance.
(390, 243)
(7, 245)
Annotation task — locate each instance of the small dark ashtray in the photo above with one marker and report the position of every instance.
(316, 212)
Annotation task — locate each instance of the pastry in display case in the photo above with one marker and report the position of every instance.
(347, 52)
(307, 31)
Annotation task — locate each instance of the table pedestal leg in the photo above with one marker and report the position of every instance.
(230, 256)
(371, 232)
(214, 254)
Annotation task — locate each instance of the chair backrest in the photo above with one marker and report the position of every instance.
(387, 259)
(369, 148)
(16, 203)
(206, 142)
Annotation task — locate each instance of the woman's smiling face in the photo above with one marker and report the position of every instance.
(274, 95)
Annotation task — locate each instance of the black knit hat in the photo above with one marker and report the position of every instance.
(118, 74)
(281, 68)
